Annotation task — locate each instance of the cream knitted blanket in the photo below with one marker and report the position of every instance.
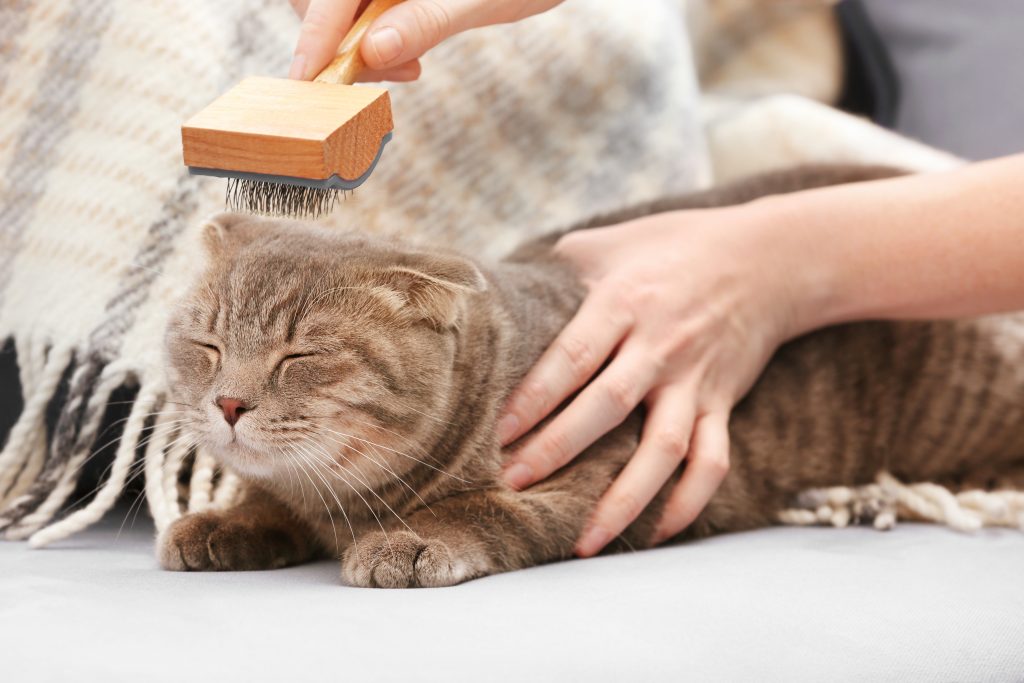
(514, 130)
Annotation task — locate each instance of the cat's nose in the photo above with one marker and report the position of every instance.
(232, 408)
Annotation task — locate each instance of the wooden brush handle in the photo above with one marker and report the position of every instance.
(346, 67)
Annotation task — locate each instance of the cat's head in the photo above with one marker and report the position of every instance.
(298, 343)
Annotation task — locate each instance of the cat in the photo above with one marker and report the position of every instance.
(354, 382)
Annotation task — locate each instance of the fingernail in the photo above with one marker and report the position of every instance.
(518, 476)
(298, 68)
(386, 43)
(592, 540)
(507, 426)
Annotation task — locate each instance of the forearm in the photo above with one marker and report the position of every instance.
(926, 246)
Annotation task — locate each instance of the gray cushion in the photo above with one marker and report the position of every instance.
(959, 65)
(919, 603)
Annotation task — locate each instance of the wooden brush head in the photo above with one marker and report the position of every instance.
(297, 129)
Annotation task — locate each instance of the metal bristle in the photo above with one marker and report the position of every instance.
(279, 199)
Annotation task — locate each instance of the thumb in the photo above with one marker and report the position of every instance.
(409, 29)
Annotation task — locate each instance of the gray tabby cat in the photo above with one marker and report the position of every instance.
(354, 384)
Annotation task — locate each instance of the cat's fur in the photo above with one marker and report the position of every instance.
(384, 429)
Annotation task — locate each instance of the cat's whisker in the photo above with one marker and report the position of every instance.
(136, 465)
(163, 425)
(330, 516)
(176, 403)
(138, 499)
(380, 464)
(96, 451)
(422, 451)
(330, 488)
(293, 468)
(177, 430)
(156, 413)
(426, 415)
(406, 455)
(356, 491)
(362, 481)
(392, 450)
(315, 461)
(373, 443)
(292, 481)
(327, 508)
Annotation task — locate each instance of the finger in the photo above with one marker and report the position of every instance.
(571, 360)
(602, 406)
(399, 74)
(410, 29)
(323, 26)
(406, 31)
(300, 7)
(706, 467)
(665, 441)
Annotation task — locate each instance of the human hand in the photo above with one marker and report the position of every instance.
(688, 306)
(400, 36)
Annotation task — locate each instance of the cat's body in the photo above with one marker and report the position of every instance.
(389, 422)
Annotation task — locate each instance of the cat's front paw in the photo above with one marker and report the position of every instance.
(402, 559)
(212, 541)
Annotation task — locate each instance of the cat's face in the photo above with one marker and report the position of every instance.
(301, 346)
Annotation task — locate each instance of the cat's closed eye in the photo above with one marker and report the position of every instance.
(211, 350)
(289, 359)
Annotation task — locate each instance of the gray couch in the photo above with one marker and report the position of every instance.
(918, 603)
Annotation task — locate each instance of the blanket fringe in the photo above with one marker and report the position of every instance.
(153, 468)
(200, 488)
(39, 474)
(27, 374)
(24, 515)
(110, 491)
(888, 500)
(29, 432)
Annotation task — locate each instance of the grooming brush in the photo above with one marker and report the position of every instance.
(290, 148)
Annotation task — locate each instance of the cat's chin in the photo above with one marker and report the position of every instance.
(247, 459)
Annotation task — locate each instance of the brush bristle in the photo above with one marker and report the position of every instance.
(279, 199)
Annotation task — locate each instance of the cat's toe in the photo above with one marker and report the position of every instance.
(400, 559)
(435, 566)
(217, 542)
(183, 545)
(233, 546)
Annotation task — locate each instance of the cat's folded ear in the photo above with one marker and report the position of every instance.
(435, 286)
(225, 231)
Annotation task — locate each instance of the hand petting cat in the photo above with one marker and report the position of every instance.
(685, 308)
(674, 319)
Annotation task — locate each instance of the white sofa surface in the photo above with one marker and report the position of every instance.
(919, 603)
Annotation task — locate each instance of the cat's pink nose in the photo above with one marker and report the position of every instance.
(232, 408)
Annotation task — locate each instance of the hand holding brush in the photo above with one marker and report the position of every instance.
(396, 39)
(289, 147)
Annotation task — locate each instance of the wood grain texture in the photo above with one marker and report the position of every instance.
(290, 128)
(346, 67)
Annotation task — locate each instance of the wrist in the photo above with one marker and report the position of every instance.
(801, 269)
